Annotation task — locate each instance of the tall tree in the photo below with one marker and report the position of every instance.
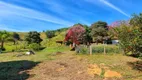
(99, 24)
(3, 36)
(130, 35)
(75, 34)
(33, 37)
(99, 30)
(15, 37)
(87, 35)
(136, 20)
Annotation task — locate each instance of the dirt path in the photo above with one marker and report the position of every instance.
(65, 68)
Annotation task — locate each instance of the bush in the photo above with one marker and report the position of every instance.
(34, 46)
(82, 49)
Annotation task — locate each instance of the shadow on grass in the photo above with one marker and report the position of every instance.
(136, 65)
(15, 70)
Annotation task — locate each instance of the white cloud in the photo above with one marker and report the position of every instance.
(114, 7)
(71, 12)
(7, 9)
(9, 29)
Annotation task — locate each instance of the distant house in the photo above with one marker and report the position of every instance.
(115, 41)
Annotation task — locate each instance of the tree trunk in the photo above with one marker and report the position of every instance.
(14, 42)
(2, 44)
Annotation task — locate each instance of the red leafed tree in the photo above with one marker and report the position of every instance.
(75, 34)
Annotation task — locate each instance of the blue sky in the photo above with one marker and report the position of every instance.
(39, 15)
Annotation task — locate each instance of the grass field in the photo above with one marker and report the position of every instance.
(14, 67)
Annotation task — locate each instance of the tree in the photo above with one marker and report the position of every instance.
(99, 30)
(33, 37)
(4, 35)
(136, 20)
(130, 37)
(50, 34)
(87, 35)
(99, 24)
(75, 34)
(15, 37)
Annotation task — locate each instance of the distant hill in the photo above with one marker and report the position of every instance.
(43, 34)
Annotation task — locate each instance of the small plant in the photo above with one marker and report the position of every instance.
(82, 50)
(34, 46)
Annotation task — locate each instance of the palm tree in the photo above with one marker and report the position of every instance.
(4, 35)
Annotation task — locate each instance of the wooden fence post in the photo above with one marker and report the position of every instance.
(104, 47)
(90, 49)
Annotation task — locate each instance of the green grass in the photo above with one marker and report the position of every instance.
(40, 55)
(12, 65)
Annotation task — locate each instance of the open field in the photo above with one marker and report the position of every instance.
(58, 63)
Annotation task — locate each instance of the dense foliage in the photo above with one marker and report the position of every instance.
(33, 37)
(130, 36)
(75, 34)
(99, 30)
(4, 35)
(15, 37)
(50, 34)
(87, 38)
(34, 46)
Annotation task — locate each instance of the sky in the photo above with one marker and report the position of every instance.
(39, 15)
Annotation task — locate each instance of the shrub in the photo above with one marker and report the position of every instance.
(34, 46)
(82, 49)
(50, 34)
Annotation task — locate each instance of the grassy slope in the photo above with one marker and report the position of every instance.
(23, 34)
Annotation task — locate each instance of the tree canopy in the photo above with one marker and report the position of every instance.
(130, 36)
(33, 37)
(4, 35)
(50, 34)
(99, 24)
(15, 36)
(99, 30)
(75, 33)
